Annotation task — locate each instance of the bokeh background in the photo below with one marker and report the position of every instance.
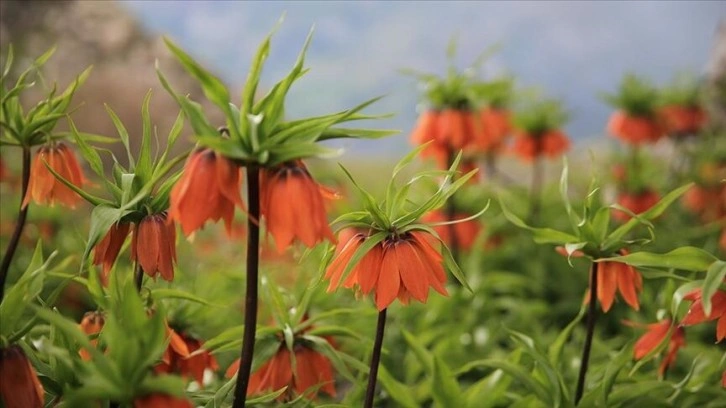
(570, 50)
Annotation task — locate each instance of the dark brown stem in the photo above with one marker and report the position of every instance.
(375, 360)
(253, 251)
(19, 224)
(138, 277)
(591, 317)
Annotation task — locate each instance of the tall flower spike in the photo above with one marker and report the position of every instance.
(153, 246)
(618, 276)
(180, 357)
(19, 384)
(656, 334)
(550, 144)
(402, 267)
(696, 314)
(91, 324)
(634, 129)
(208, 189)
(106, 251)
(311, 369)
(293, 207)
(44, 188)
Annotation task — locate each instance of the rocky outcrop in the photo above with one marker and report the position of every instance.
(102, 34)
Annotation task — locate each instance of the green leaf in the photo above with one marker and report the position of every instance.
(274, 110)
(614, 367)
(555, 349)
(192, 110)
(169, 293)
(213, 88)
(122, 133)
(398, 391)
(163, 384)
(424, 356)
(653, 212)
(686, 258)
(574, 221)
(90, 154)
(348, 133)
(143, 168)
(253, 79)
(515, 371)
(711, 283)
(540, 235)
(444, 387)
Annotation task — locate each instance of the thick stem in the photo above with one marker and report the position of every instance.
(138, 277)
(591, 317)
(253, 252)
(375, 359)
(535, 192)
(19, 224)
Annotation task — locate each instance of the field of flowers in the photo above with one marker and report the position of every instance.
(252, 269)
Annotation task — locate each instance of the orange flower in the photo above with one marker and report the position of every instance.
(106, 251)
(158, 400)
(618, 276)
(697, 315)
(208, 189)
(634, 129)
(44, 187)
(91, 324)
(722, 240)
(293, 207)
(550, 144)
(179, 359)
(153, 246)
(426, 128)
(19, 384)
(682, 120)
(466, 232)
(707, 202)
(312, 369)
(496, 125)
(636, 202)
(402, 266)
(656, 334)
(455, 128)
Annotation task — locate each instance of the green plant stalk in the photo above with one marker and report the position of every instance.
(450, 215)
(535, 192)
(591, 317)
(375, 360)
(19, 224)
(253, 251)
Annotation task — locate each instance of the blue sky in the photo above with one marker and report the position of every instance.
(571, 50)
